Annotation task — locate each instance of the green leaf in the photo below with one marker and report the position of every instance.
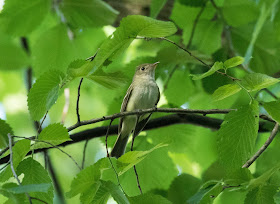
(217, 66)
(273, 108)
(105, 189)
(182, 188)
(225, 91)
(44, 93)
(237, 136)
(4, 130)
(261, 180)
(20, 149)
(88, 13)
(240, 12)
(43, 187)
(129, 159)
(156, 6)
(52, 50)
(262, 194)
(35, 173)
(257, 81)
(12, 56)
(110, 80)
(84, 180)
(16, 14)
(13, 198)
(131, 27)
(233, 62)
(149, 199)
(207, 36)
(207, 194)
(54, 134)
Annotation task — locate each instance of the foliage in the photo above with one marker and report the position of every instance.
(218, 54)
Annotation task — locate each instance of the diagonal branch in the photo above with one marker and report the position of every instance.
(261, 150)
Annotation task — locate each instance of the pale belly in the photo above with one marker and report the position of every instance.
(142, 98)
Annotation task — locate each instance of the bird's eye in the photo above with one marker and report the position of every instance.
(142, 68)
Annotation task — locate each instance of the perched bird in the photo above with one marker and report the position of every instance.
(143, 93)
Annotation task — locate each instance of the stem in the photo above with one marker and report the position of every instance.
(261, 150)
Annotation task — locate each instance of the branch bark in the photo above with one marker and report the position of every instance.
(159, 122)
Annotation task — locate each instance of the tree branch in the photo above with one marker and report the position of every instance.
(261, 150)
(159, 122)
(150, 110)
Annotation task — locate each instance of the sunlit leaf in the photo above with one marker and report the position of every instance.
(225, 91)
(233, 62)
(54, 134)
(258, 81)
(44, 93)
(217, 66)
(132, 158)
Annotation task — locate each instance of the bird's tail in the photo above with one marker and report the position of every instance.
(119, 147)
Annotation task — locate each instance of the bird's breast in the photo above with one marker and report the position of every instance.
(143, 97)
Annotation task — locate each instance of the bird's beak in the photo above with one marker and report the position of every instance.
(155, 64)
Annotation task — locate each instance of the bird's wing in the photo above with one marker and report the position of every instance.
(141, 124)
(124, 104)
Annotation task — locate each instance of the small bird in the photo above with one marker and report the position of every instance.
(143, 93)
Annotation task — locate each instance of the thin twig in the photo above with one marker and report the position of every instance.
(12, 165)
(66, 105)
(39, 130)
(169, 77)
(92, 57)
(187, 51)
(54, 146)
(33, 198)
(261, 150)
(131, 148)
(56, 183)
(194, 25)
(271, 93)
(78, 100)
(84, 154)
(151, 110)
(108, 155)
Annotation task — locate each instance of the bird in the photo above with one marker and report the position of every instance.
(143, 93)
